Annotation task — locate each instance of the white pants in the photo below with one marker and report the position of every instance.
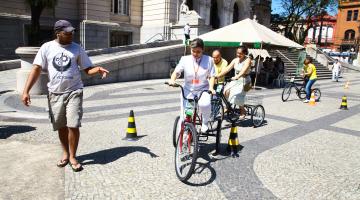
(204, 107)
(335, 75)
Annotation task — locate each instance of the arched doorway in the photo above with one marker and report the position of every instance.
(236, 13)
(190, 4)
(214, 15)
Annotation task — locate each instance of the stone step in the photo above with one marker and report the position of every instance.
(291, 68)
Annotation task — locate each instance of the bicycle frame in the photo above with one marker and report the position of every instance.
(228, 105)
(189, 118)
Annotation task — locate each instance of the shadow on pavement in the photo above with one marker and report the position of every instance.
(110, 155)
(5, 91)
(244, 123)
(201, 167)
(7, 131)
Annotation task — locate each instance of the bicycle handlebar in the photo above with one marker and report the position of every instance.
(183, 94)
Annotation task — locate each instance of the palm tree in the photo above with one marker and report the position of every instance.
(37, 6)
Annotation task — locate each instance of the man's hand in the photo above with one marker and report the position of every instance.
(26, 99)
(103, 72)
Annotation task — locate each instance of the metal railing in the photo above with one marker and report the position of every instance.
(348, 41)
(332, 60)
(162, 37)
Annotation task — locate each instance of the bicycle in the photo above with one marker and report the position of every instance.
(187, 139)
(300, 91)
(256, 110)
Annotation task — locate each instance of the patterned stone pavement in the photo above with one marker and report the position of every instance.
(301, 152)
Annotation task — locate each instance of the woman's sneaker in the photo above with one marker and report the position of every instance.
(306, 101)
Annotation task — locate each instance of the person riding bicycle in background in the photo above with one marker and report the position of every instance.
(198, 69)
(309, 74)
(241, 82)
(220, 65)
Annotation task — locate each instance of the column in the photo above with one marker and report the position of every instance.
(27, 55)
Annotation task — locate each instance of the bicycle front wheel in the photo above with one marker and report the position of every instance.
(176, 129)
(286, 92)
(186, 152)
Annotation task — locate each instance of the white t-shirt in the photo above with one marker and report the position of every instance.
(205, 69)
(337, 67)
(187, 29)
(63, 63)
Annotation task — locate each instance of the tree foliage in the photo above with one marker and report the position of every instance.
(37, 7)
(298, 14)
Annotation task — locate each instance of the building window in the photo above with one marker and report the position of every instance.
(349, 34)
(349, 14)
(120, 7)
(356, 13)
(236, 13)
(119, 38)
(214, 16)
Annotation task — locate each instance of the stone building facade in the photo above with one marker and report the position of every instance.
(99, 23)
(106, 23)
(160, 16)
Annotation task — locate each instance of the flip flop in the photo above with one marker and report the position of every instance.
(62, 163)
(74, 168)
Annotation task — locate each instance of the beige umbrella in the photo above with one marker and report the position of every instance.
(246, 31)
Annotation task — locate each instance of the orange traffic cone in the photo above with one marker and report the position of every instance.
(312, 99)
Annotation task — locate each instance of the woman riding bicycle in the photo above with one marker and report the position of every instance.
(197, 68)
(241, 82)
(309, 74)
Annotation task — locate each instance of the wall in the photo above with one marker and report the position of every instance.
(11, 36)
(138, 66)
(100, 21)
(153, 19)
(342, 25)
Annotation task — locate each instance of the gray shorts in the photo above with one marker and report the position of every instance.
(65, 110)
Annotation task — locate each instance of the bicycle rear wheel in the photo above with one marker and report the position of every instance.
(186, 152)
(258, 115)
(286, 92)
(301, 93)
(217, 110)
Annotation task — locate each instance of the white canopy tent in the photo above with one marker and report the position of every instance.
(246, 31)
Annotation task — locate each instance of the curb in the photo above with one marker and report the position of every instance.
(12, 114)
